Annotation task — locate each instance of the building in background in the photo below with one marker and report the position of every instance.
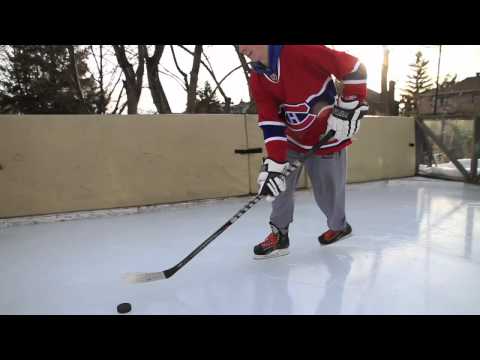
(460, 99)
(381, 105)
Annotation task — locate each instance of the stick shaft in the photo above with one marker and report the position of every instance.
(294, 166)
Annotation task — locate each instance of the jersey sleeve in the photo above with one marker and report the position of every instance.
(345, 67)
(269, 121)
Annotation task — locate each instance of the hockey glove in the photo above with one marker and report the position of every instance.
(271, 179)
(345, 117)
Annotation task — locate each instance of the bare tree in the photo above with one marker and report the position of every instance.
(108, 75)
(244, 63)
(190, 86)
(384, 93)
(208, 66)
(76, 76)
(74, 69)
(227, 100)
(158, 95)
(192, 89)
(4, 59)
(99, 62)
(133, 79)
(246, 72)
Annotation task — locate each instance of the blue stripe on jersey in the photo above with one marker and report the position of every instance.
(273, 55)
(273, 131)
(327, 96)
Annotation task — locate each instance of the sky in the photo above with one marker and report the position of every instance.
(463, 60)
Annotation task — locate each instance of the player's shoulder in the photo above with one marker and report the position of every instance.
(303, 49)
(306, 53)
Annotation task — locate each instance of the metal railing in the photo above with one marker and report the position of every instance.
(448, 147)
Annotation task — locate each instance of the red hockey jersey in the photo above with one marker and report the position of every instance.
(296, 93)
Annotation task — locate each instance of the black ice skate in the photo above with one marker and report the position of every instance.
(330, 236)
(276, 244)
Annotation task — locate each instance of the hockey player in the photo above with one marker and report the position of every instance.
(296, 101)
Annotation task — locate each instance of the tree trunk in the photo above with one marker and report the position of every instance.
(103, 102)
(133, 80)
(142, 55)
(158, 95)
(207, 67)
(246, 72)
(76, 77)
(192, 86)
(385, 97)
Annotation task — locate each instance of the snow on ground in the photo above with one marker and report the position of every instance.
(447, 170)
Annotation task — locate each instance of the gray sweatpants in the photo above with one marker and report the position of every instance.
(328, 177)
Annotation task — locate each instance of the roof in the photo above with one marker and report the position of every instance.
(373, 96)
(466, 85)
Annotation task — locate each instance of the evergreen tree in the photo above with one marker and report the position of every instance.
(39, 79)
(448, 81)
(207, 102)
(419, 82)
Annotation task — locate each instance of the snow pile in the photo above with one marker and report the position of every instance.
(92, 214)
(447, 170)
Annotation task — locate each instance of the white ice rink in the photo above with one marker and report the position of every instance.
(415, 250)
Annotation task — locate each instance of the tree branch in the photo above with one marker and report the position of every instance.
(133, 80)
(185, 77)
(226, 76)
(156, 90)
(173, 76)
(74, 70)
(246, 71)
(118, 100)
(210, 71)
(192, 89)
(123, 107)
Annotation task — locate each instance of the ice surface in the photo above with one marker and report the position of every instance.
(415, 250)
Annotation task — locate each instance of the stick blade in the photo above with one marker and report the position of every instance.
(139, 277)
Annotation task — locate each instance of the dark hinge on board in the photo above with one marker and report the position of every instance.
(249, 151)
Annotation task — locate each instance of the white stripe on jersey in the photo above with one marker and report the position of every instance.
(275, 138)
(321, 90)
(278, 73)
(355, 68)
(273, 123)
(354, 82)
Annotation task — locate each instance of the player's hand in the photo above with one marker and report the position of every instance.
(345, 117)
(272, 179)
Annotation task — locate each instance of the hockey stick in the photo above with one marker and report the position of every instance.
(153, 276)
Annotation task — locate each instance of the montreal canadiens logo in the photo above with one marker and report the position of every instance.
(298, 116)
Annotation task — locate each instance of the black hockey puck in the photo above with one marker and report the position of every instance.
(124, 308)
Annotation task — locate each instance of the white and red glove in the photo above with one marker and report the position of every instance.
(345, 117)
(272, 179)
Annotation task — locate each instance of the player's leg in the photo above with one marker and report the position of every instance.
(328, 177)
(277, 242)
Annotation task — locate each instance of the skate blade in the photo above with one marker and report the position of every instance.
(273, 254)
